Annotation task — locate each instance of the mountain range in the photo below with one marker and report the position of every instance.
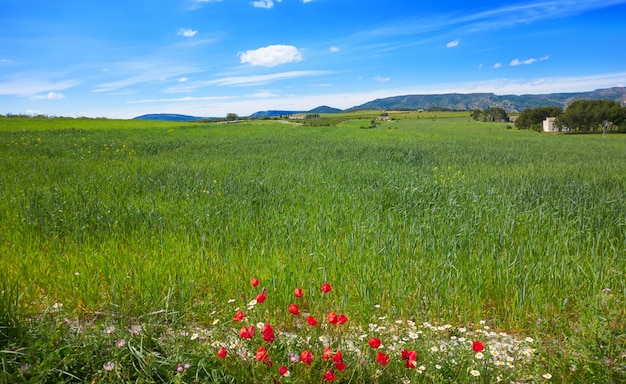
(449, 101)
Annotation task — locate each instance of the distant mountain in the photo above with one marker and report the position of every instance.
(325, 109)
(470, 101)
(171, 117)
(271, 113)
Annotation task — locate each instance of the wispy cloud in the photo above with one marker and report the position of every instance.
(381, 79)
(30, 85)
(264, 79)
(141, 72)
(495, 18)
(334, 49)
(271, 55)
(516, 62)
(497, 65)
(49, 96)
(178, 100)
(453, 43)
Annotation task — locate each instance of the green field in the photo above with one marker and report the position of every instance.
(427, 218)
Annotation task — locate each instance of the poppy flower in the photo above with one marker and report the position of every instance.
(311, 320)
(329, 376)
(340, 365)
(262, 355)
(374, 342)
(306, 357)
(268, 333)
(478, 346)
(410, 357)
(283, 371)
(326, 288)
(342, 319)
(294, 310)
(338, 357)
(298, 293)
(254, 282)
(382, 358)
(238, 316)
(333, 318)
(328, 353)
(261, 297)
(247, 333)
(221, 353)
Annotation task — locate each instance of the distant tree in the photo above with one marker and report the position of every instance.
(531, 118)
(591, 115)
(231, 117)
(495, 114)
(476, 114)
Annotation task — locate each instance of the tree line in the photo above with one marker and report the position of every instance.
(580, 116)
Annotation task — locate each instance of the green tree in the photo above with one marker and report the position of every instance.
(475, 114)
(591, 115)
(495, 114)
(232, 117)
(531, 118)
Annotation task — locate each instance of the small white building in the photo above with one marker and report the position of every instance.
(549, 126)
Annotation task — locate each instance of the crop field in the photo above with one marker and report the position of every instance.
(127, 250)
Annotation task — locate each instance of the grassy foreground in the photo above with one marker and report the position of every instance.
(128, 247)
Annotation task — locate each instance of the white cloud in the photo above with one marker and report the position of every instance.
(49, 96)
(334, 49)
(381, 79)
(183, 80)
(271, 55)
(516, 62)
(307, 1)
(453, 43)
(480, 66)
(263, 4)
(497, 65)
(187, 32)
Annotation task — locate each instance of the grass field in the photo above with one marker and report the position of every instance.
(430, 218)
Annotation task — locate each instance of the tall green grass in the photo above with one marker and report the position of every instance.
(430, 218)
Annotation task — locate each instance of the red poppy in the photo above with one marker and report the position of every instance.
(341, 366)
(306, 357)
(338, 357)
(326, 288)
(329, 376)
(247, 333)
(342, 319)
(238, 316)
(333, 318)
(268, 333)
(261, 297)
(410, 357)
(254, 282)
(382, 358)
(222, 353)
(294, 310)
(328, 353)
(478, 346)
(311, 320)
(283, 371)
(374, 342)
(298, 292)
(262, 355)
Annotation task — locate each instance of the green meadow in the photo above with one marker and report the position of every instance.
(427, 218)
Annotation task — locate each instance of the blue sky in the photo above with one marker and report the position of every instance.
(124, 58)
